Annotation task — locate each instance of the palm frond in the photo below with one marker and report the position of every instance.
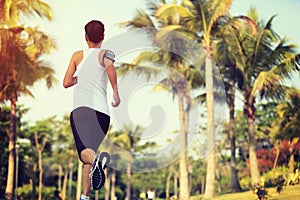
(199, 99)
(140, 20)
(219, 8)
(284, 59)
(33, 8)
(252, 14)
(138, 70)
(147, 57)
(266, 79)
(27, 8)
(163, 86)
(167, 10)
(37, 42)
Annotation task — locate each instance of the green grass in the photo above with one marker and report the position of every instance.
(288, 193)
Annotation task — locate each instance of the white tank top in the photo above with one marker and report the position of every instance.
(91, 86)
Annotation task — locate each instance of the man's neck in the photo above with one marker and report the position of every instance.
(94, 45)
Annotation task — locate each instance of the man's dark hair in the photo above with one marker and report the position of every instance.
(94, 30)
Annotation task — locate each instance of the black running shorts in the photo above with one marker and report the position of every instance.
(89, 128)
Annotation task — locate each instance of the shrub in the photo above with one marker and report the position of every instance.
(25, 193)
(274, 177)
(260, 191)
(293, 178)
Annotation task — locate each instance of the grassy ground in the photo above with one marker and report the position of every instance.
(288, 193)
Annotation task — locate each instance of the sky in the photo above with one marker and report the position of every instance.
(66, 28)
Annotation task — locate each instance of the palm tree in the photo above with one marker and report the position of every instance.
(21, 62)
(231, 31)
(269, 60)
(172, 52)
(205, 15)
(266, 61)
(200, 18)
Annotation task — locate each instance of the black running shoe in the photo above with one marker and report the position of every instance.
(97, 175)
(97, 171)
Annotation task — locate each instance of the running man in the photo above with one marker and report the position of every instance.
(89, 71)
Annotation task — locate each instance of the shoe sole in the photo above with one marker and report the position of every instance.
(98, 176)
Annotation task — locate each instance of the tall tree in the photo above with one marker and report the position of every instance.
(265, 60)
(200, 18)
(231, 32)
(173, 49)
(205, 15)
(22, 63)
(269, 60)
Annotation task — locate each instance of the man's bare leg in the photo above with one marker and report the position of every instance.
(88, 156)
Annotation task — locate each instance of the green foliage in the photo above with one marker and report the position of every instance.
(274, 177)
(293, 178)
(279, 184)
(144, 181)
(260, 191)
(25, 193)
(245, 182)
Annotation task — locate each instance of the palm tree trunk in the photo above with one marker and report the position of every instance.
(168, 181)
(60, 174)
(79, 180)
(202, 185)
(249, 111)
(40, 175)
(210, 176)
(255, 175)
(64, 188)
(183, 170)
(128, 188)
(107, 186)
(235, 185)
(97, 195)
(11, 149)
(113, 185)
(176, 184)
(70, 179)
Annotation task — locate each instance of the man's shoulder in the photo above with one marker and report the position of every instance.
(109, 54)
(78, 53)
(77, 56)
